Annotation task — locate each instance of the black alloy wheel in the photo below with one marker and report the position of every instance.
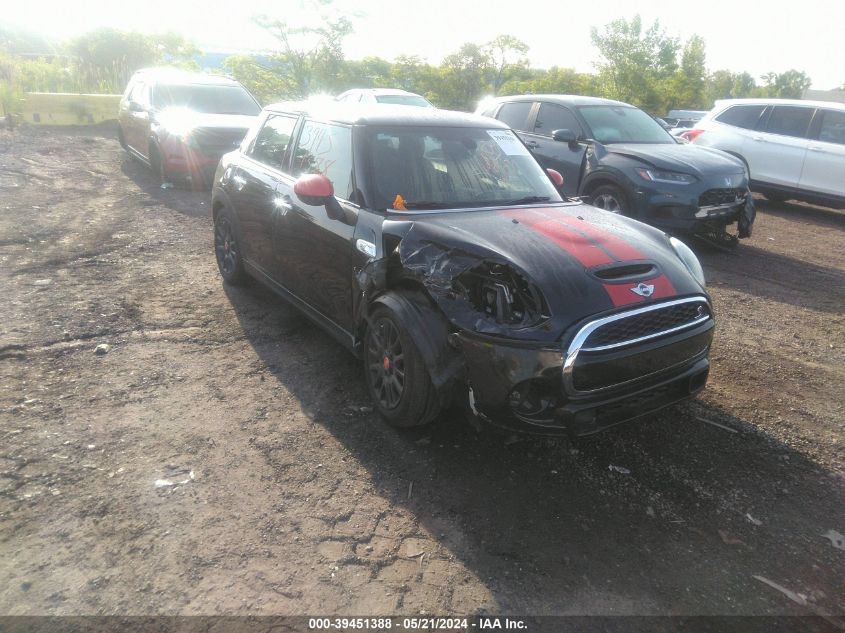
(386, 363)
(227, 251)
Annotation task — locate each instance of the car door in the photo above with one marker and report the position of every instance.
(317, 251)
(564, 157)
(824, 165)
(776, 153)
(260, 184)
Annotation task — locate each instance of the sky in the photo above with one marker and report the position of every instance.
(741, 35)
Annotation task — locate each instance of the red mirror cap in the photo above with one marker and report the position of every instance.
(313, 186)
(555, 176)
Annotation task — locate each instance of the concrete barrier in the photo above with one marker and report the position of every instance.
(59, 108)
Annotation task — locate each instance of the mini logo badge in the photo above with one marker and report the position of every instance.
(644, 290)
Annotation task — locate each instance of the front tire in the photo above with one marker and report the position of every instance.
(227, 250)
(610, 198)
(397, 378)
(157, 164)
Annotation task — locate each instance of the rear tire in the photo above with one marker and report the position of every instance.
(227, 250)
(610, 198)
(397, 378)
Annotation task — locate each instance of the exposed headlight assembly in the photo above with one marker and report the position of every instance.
(686, 255)
(671, 177)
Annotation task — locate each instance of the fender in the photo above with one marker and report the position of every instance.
(602, 173)
(429, 330)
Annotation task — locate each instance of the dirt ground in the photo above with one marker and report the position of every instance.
(301, 501)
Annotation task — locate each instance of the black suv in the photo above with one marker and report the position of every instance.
(181, 123)
(433, 245)
(618, 158)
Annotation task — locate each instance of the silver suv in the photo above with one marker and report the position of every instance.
(793, 149)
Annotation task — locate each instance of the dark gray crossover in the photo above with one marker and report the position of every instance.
(433, 246)
(618, 158)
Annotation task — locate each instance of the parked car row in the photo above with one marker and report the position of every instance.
(792, 148)
(620, 159)
(433, 245)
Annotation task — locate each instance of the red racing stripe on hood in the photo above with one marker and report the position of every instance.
(593, 246)
(581, 248)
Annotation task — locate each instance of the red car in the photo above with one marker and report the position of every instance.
(181, 123)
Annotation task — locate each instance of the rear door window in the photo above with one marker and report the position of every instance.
(553, 117)
(744, 116)
(515, 114)
(272, 142)
(790, 121)
(832, 129)
(326, 149)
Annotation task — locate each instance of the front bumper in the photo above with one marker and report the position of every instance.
(185, 161)
(530, 389)
(693, 208)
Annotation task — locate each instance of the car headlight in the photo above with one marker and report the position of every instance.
(671, 177)
(686, 255)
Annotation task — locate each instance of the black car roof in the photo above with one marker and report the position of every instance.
(382, 114)
(570, 100)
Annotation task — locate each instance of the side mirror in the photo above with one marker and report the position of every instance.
(134, 106)
(316, 190)
(556, 177)
(564, 136)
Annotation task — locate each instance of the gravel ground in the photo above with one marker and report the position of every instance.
(220, 456)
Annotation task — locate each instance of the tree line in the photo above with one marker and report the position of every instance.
(636, 63)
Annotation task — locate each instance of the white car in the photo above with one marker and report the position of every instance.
(392, 96)
(793, 149)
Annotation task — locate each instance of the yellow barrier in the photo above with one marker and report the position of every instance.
(58, 108)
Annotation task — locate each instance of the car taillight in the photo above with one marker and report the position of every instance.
(691, 135)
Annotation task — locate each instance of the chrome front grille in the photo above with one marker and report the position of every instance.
(637, 327)
(616, 350)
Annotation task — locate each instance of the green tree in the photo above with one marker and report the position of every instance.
(106, 58)
(266, 85)
(463, 78)
(691, 78)
(507, 57)
(311, 54)
(638, 65)
(787, 85)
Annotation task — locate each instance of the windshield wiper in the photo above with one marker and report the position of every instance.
(428, 205)
(526, 200)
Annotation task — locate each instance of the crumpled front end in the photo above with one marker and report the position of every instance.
(527, 352)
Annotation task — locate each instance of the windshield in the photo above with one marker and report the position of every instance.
(623, 124)
(446, 168)
(206, 98)
(411, 100)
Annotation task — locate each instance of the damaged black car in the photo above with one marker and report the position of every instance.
(434, 247)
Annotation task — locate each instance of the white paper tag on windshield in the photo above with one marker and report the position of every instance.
(508, 142)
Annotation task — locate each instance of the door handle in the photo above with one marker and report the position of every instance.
(532, 144)
(240, 182)
(759, 138)
(283, 202)
(813, 148)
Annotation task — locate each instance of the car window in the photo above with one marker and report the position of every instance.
(138, 93)
(450, 167)
(789, 121)
(206, 98)
(623, 124)
(272, 141)
(833, 127)
(515, 114)
(553, 117)
(744, 116)
(326, 149)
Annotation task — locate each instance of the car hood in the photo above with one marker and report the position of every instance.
(572, 253)
(689, 159)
